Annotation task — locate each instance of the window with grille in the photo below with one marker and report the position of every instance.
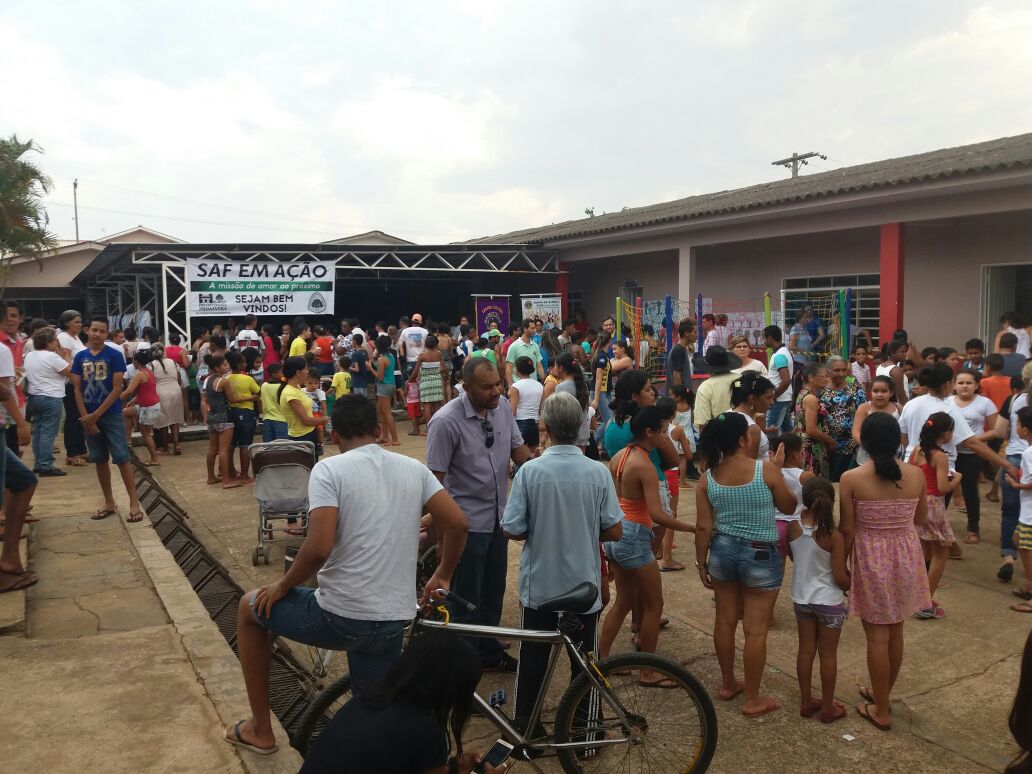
(798, 293)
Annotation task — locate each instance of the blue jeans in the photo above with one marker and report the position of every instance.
(372, 646)
(604, 415)
(1010, 509)
(480, 578)
(779, 415)
(110, 441)
(46, 419)
(274, 430)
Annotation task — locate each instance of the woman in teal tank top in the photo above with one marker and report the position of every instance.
(736, 550)
(383, 374)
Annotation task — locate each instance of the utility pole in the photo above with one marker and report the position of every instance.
(75, 201)
(796, 160)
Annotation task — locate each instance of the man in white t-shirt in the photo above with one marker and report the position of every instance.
(411, 341)
(779, 371)
(365, 506)
(248, 337)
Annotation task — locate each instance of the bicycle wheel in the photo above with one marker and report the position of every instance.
(324, 705)
(671, 729)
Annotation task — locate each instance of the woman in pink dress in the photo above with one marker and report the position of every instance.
(882, 504)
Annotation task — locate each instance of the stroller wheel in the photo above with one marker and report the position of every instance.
(265, 556)
(255, 553)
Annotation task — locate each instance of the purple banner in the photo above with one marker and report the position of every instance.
(492, 310)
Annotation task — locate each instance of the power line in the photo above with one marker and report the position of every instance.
(188, 200)
(194, 220)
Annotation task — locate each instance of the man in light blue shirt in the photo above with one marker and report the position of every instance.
(561, 505)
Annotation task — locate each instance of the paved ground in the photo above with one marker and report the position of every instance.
(95, 676)
(952, 699)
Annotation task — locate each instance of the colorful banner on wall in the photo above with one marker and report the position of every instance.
(218, 287)
(490, 310)
(548, 308)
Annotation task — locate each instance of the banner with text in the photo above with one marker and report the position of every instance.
(219, 287)
(548, 309)
(492, 310)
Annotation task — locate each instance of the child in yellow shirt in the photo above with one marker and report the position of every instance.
(341, 384)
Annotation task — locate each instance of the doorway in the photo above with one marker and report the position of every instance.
(1006, 288)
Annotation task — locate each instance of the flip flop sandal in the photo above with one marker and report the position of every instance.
(665, 684)
(25, 580)
(840, 712)
(676, 568)
(135, 517)
(103, 513)
(238, 741)
(772, 707)
(865, 693)
(1022, 594)
(1024, 607)
(177, 452)
(863, 711)
(972, 539)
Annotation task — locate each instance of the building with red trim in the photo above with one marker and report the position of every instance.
(939, 243)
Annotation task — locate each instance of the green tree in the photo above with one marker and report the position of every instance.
(23, 218)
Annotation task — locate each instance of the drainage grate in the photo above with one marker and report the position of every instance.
(291, 687)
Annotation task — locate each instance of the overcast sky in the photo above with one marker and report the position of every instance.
(439, 121)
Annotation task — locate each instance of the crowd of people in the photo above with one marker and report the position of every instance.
(516, 425)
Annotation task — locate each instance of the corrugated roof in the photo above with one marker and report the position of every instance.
(994, 155)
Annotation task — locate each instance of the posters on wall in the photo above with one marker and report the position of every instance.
(219, 287)
(547, 308)
(491, 309)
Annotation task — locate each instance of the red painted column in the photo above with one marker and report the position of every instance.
(893, 249)
(562, 287)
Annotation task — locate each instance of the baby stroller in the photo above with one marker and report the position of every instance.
(281, 470)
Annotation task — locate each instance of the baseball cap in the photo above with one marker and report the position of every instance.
(493, 333)
(417, 317)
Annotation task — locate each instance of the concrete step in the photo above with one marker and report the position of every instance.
(12, 604)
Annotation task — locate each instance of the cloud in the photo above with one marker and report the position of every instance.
(313, 119)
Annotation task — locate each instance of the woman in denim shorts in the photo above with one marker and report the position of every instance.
(736, 550)
(631, 559)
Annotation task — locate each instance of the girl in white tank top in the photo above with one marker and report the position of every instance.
(818, 578)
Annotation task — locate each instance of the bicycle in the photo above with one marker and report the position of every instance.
(614, 735)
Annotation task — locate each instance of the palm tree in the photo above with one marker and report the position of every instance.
(23, 219)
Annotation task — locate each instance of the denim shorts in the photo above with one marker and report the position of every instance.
(385, 390)
(245, 422)
(750, 563)
(109, 443)
(148, 415)
(17, 477)
(372, 646)
(828, 616)
(634, 549)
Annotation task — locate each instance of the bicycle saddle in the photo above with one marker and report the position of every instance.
(578, 600)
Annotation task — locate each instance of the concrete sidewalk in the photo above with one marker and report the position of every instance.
(104, 672)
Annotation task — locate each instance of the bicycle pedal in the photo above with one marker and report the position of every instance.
(498, 698)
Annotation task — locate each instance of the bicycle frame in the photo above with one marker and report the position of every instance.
(559, 642)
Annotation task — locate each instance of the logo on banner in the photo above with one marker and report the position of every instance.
(317, 304)
(211, 303)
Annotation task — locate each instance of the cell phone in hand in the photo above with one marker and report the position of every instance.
(496, 756)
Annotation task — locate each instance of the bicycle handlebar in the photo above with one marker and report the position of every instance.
(455, 599)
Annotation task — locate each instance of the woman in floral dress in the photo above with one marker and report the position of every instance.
(841, 398)
(811, 419)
